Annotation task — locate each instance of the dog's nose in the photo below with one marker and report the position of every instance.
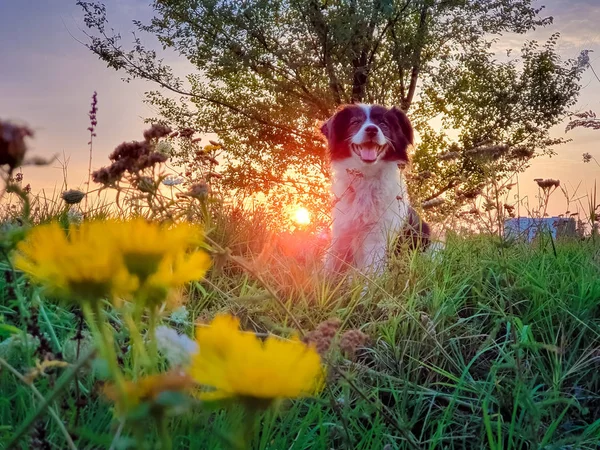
(371, 131)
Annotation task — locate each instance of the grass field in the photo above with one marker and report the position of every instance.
(490, 344)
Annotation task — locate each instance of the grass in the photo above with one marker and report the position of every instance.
(490, 344)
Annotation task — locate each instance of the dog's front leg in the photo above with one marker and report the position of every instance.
(338, 256)
(373, 258)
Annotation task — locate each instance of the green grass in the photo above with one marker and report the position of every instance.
(489, 345)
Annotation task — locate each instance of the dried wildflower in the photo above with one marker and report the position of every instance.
(131, 157)
(150, 160)
(41, 368)
(106, 176)
(19, 177)
(351, 341)
(177, 348)
(27, 189)
(195, 141)
(157, 131)
(522, 153)
(148, 389)
(198, 190)
(211, 148)
(587, 157)
(322, 336)
(186, 133)
(239, 364)
(12, 144)
(129, 151)
(72, 196)
(449, 156)
(93, 118)
(432, 203)
(488, 151)
(548, 183)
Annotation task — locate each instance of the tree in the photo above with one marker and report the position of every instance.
(269, 71)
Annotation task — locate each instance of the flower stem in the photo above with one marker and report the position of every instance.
(103, 335)
(152, 337)
(140, 355)
(163, 430)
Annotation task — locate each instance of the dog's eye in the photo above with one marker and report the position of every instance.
(355, 121)
(383, 126)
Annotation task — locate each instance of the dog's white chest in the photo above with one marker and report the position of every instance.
(372, 199)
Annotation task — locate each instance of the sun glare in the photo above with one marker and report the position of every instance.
(302, 216)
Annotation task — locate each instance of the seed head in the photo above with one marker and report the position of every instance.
(548, 183)
(322, 336)
(351, 341)
(72, 196)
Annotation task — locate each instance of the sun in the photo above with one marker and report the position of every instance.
(301, 216)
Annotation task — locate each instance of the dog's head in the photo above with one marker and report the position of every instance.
(369, 133)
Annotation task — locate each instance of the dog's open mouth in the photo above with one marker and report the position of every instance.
(368, 152)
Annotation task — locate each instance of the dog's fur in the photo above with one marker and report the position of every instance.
(368, 149)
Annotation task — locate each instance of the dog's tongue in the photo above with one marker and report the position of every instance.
(368, 154)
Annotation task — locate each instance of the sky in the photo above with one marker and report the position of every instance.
(47, 79)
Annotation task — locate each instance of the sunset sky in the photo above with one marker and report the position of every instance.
(47, 79)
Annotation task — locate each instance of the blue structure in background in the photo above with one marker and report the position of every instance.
(528, 227)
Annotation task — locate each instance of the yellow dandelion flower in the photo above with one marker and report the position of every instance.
(144, 245)
(239, 364)
(173, 272)
(181, 269)
(79, 266)
(148, 388)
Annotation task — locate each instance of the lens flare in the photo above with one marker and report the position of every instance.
(302, 216)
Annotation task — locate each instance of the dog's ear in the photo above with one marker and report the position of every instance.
(325, 128)
(404, 124)
(401, 135)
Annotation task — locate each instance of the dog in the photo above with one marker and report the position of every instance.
(368, 147)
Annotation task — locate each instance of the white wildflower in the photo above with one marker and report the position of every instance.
(172, 181)
(17, 347)
(74, 216)
(177, 348)
(179, 315)
(164, 147)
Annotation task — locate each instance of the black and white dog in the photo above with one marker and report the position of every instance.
(368, 150)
